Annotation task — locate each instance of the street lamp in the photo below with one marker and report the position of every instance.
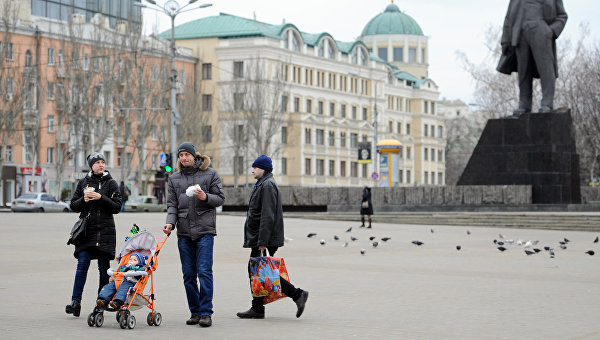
(375, 118)
(172, 9)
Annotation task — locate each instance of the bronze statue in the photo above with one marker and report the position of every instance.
(529, 35)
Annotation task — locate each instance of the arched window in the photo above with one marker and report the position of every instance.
(295, 41)
(291, 40)
(28, 59)
(331, 50)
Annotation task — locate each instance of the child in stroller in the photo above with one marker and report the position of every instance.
(137, 263)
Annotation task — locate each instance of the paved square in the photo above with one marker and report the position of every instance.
(396, 290)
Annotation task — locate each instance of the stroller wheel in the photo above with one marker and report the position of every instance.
(99, 319)
(90, 319)
(131, 322)
(123, 319)
(118, 315)
(157, 319)
(149, 319)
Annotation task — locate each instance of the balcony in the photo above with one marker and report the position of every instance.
(30, 118)
(120, 142)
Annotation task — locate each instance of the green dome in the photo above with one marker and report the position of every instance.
(392, 21)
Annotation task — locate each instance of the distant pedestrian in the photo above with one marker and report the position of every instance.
(366, 206)
(264, 231)
(195, 217)
(124, 195)
(96, 198)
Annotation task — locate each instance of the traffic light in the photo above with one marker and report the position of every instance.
(169, 165)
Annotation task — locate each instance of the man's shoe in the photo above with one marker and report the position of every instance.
(301, 302)
(205, 321)
(545, 109)
(250, 314)
(193, 320)
(74, 308)
(518, 112)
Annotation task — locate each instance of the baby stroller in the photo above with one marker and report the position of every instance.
(146, 244)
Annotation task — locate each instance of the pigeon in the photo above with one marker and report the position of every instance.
(535, 242)
(537, 250)
(528, 244)
(458, 247)
(567, 240)
(311, 235)
(468, 232)
(431, 230)
(335, 237)
(529, 252)
(501, 248)
(590, 252)
(288, 239)
(510, 241)
(596, 239)
(500, 243)
(562, 246)
(349, 230)
(562, 243)
(375, 244)
(353, 238)
(322, 242)
(500, 236)
(385, 239)
(371, 238)
(362, 251)
(546, 248)
(495, 241)
(417, 243)
(519, 242)
(551, 253)
(345, 244)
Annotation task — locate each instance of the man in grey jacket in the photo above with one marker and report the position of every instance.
(264, 231)
(530, 30)
(195, 218)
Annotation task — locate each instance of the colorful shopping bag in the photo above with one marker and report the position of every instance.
(265, 277)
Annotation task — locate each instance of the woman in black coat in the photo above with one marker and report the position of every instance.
(96, 198)
(366, 206)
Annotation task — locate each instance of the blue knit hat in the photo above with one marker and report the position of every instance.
(141, 258)
(263, 162)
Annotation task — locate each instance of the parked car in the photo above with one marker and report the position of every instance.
(38, 201)
(144, 203)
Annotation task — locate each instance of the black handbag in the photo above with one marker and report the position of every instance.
(78, 231)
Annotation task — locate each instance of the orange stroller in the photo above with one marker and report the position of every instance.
(144, 243)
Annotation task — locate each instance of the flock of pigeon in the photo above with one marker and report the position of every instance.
(502, 243)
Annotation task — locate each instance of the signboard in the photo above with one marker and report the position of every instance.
(29, 171)
(163, 159)
(384, 170)
(374, 176)
(364, 153)
(79, 175)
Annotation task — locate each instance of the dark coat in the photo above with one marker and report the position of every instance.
(554, 15)
(264, 221)
(100, 231)
(191, 216)
(366, 197)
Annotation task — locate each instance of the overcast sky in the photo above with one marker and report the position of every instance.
(451, 25)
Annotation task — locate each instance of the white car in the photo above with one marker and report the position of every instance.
(38, 201)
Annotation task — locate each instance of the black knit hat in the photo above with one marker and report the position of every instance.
(187, 147)
(94, 157)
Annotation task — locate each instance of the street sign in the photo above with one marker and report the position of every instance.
(163, 159)
(374, 176)
(79, 175)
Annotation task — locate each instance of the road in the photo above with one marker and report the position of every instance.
(397, 290)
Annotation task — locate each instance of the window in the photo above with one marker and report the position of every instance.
(399, 128)
(320, 136)
(320, 167)
(206, 102)
(364, 113)
(342, 139)
(51, 91)
(9, 51)
(401, 176)
(207, 71)
(331, 138)
(154, 132)
(238, 162)
(425, 130)
(238, 101)
(296, 104)
(309, 106)
(9, 86)
(332, 109)
(283, 166)
(154, 162)
(342, 168)
(307, 166)
(353, 112)
(353, 169)
(397, 53)
(51, 123)
(390, 126)
(238, 69)
(408, 179)
(182, 77)
(353, 140)
(85, 62)
(425, 178)
(284, 103)
(50, 155)
(307, 137)
(51, 57)
(207, 134)
(343, 110)
(107, 157)
(408, 152)
(8, 153)
(408, 129)
(96, 64)
(439, 156)
(284, 135)
(426, 154)
(382, 53)
(440, 131)
(331, 168)
(440, 178)
(365, 171)
(28, 59)
(320, 107)
(365, 138)
(155, 73)
(412, 55)
(432, 130)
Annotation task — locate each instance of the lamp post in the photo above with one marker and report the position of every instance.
(172, 9)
